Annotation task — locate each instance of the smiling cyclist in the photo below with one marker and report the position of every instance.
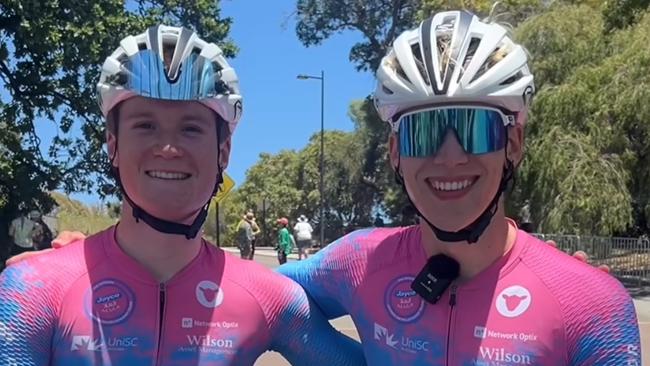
(150, 290)
(465, 286)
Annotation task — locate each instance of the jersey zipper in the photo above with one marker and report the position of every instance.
(452, 304)
(161, 325)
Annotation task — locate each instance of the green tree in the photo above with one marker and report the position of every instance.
(509, 12)
(288, 185)
(348, 201)
(587, 169)
(377, 176)
(275, 179)
(50, 57)
(379, 21)
(231, 210)
(559, 41)
(619, 14)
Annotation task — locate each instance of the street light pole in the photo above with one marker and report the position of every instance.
(322, 150)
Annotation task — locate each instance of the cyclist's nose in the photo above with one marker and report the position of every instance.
(450, 153)
(168, 147)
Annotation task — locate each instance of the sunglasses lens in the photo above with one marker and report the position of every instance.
(478, 130)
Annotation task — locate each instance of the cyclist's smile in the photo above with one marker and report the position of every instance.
(168, 175)
(451, 188)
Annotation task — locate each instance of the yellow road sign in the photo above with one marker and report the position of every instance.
(225, 188)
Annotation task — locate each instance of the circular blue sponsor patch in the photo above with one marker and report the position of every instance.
(402, 303)
(109, 302)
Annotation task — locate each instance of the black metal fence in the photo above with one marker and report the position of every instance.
(628, 258)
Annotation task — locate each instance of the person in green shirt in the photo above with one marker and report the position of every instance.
(285, 240)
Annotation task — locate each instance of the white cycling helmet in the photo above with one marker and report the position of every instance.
(171, 63)
(453, 58)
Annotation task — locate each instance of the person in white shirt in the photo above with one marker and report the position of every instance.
(21, 230)
(303, 231)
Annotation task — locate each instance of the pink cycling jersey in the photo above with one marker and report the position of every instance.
(534, 306)
(91, 304)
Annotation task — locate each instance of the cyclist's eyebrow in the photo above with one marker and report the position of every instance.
(138, 114)
(187, 117)
(191, 117)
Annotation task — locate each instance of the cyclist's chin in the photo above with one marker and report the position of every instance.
(453, 215)
(452, 222)
(170, 209)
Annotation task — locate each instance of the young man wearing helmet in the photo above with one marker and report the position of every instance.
(465, 286)
(513, 300)
(149, 290)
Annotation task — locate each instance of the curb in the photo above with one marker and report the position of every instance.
(262, 252)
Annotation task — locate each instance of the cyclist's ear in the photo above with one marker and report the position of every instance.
(111, 135)
(224, 152)
(515, 143)
(393, 150)
(111, 144)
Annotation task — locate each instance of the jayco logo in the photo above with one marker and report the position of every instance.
(109, 302)
(403, 294)
(513, 301)
(105, 299)
(402, 303)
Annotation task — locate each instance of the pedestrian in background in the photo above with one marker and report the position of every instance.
(41, 234)
(244, 238)
(21, 231)
(250, 217)
(303, 231)
(285, 240)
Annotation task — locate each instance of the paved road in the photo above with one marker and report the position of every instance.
(345, 324)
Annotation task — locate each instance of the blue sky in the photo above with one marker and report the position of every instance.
(280, 111)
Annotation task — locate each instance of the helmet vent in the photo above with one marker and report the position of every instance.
(513, 78)
(168, 54)
(400, 71)
(495, 57)
(417, 54)
(216, 67)
(443, 52)
(471, 50)
(123, 58)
